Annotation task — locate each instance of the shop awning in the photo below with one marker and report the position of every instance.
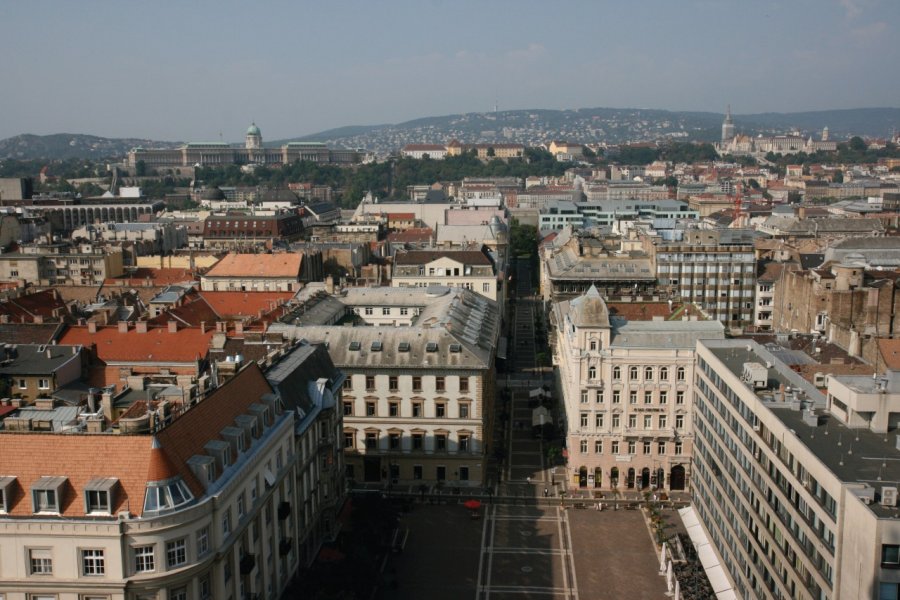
(715, 572)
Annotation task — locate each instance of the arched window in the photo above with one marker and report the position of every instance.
(633, 373)
(648, 373)
(617, 373)
(663, 373)
(679, 374)
(592, 372)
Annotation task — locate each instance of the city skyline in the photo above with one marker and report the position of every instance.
(205, 69)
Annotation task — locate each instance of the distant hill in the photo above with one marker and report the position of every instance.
(72, 145)
(529, 127)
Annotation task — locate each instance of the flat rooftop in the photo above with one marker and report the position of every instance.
(853, 455)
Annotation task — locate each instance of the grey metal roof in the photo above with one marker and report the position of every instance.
(37, 359)
(663, 334)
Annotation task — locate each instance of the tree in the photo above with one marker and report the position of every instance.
(857, 144)
(490, 152)
(838, 176)
(140, 168)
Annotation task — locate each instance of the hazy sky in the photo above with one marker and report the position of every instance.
(192, 70)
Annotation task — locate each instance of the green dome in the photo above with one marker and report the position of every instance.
(253, 130)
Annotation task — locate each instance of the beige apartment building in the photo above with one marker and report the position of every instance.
(418, 401)
(627, 389)
(470, 269)
(223, 500)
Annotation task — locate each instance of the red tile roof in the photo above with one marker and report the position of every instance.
(157, 345)
(42, 304)
(156, 277)
(132, 459)
(285, 264)
(229, 305)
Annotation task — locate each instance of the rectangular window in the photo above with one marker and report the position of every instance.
(463, 411)
(440, 442)
(679, 397)
(44, 384)
(647, 447)
(40, 561)
(349, 440)
(385, 311)
(648, 422)
(598, 419)
(202, 541)
(632, 397)
(615, 447)
(176, 553)
(348, 409)
(439, 384)
(23, 384)
(584, 396)
(144, 561)
(417, 409)
(440, 410)
(371, 440)
(678, 448)
(660, 447)
(240, 506)
(598, 447)
(679, 421)
(226, 523)
(584, 419)
(599, 396)
(370, 409)
(663, 396)
(464, 384)
(890, 555)
(617, 397)
(394, 441)
(615, 421)
(394, 409)
(648, 397)
(417, 383)
(393, 384)
(417, 439)
(463, 443)
(663, 421)
(632, 421)
(632, 447)
(92, 562)
(97, 501)
(583, 446)
(370, 382)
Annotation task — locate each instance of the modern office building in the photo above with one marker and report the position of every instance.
(796, 490)
(714, 269)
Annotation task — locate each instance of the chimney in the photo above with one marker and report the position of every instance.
(123, 326)
(140, 326)
(38, 319)
(4, 318)
(92, 327)
(329, 284)
(202, 326)
(173, 326)
(238, 328)
(106, 404)
(801, 212)
(49, 353)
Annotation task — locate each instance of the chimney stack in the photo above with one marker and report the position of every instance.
(238, 328)
(140, 326)
(173, 326)
(123, 326)
(202, 326)
(92, 327)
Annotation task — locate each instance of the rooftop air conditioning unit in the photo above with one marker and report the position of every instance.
(889, 496)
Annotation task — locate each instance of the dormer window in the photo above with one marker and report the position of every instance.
(250, 426)
(235, 437)
(355, 346)
(261, 413)
(403, 347)
(376, 346)
(98, 496)
(46, 494)
(6, 489)
(431, 347)
(204, 468)
(221, 451)
(456, 348)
